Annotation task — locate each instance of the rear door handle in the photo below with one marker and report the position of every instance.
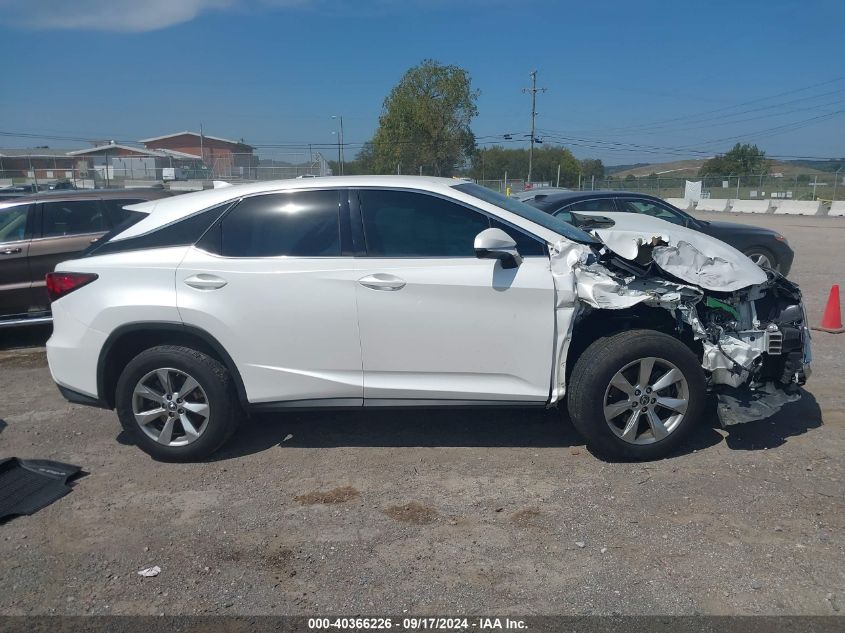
(382, 281)
(11, 251)
(204, 281)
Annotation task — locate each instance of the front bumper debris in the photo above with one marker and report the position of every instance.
(737, 405)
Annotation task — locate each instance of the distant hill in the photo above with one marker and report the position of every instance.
(689, 168)
(614, 169)
(821, 165)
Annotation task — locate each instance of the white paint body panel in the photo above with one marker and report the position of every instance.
(132, 287)
(460, 329)
(289, 324)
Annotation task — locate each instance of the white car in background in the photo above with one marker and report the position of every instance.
(374, 291)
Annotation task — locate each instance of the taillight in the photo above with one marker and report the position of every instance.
(59, 284)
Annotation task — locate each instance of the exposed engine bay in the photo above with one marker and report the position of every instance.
(750, 323)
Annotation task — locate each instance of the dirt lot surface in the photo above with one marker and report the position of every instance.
(438, 512)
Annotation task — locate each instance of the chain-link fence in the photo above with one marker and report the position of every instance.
(64, 171)
(125, 171)
(823, 187)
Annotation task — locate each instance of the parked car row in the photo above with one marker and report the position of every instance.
(39, 231)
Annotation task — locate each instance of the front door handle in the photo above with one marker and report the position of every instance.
(204, 281)
(11, 251)
(382, 281)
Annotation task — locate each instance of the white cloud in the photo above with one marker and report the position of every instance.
(113, 15)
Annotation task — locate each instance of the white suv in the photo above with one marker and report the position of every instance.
(378, 291)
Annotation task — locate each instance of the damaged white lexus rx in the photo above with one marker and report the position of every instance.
(382, 291)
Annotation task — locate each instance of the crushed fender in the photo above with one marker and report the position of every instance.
(750, 323)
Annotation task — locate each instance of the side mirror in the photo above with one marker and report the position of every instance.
(496, 244)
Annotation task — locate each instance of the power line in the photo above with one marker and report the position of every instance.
(699, 115)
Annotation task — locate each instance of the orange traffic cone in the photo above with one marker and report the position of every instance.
(832, 319)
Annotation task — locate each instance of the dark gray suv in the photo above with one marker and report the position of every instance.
(39, 231)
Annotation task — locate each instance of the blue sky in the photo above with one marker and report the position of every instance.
(627, 81)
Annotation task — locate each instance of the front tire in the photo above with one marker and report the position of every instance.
(178, 404)
(636, 394)
(763, 257)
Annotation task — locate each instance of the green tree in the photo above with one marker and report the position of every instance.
(592, 167)
(361, 165)
(493, 162)
(425, 122)
(741, 160)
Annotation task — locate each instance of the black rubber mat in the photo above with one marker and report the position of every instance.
(28, 485)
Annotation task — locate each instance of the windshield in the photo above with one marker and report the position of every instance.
(528, 212)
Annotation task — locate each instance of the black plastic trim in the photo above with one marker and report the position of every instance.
(357, 404)
(347, 244)
(80, 398)
(318, 404)
(167, 326)
(358, 242)
(33, 220)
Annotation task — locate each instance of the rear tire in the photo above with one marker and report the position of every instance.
(636, 394)
(177, 404)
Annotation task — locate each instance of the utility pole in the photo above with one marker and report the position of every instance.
(340, 156)
(533, 90)
(202, 151)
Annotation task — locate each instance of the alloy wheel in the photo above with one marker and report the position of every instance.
(646, 400)
(170, 406)
(761, 260)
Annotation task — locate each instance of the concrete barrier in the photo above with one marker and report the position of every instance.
(186, 185)
(837, 208)
(750, 206)
(683, 204)
(712, 204)
(798, 207)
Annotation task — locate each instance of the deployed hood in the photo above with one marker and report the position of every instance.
(686, 254)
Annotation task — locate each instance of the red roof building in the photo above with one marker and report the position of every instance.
(224, 157)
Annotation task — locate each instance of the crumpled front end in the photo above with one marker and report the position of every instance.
(748, 324)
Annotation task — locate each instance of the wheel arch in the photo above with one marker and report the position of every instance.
(593, 324)
(131, 339)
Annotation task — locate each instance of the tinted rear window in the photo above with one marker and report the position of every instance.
(298, 224)
(73, 217)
